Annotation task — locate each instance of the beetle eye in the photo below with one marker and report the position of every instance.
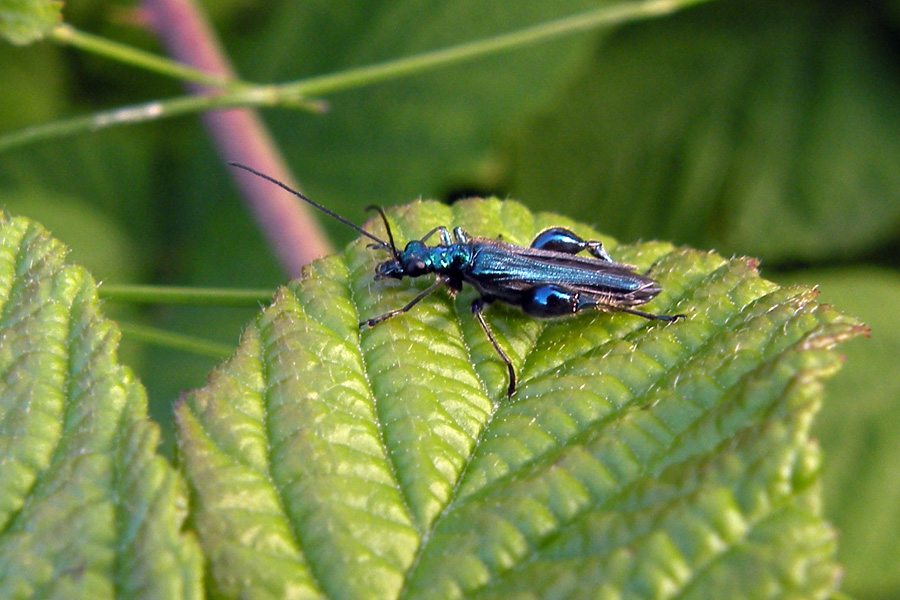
(415, 268)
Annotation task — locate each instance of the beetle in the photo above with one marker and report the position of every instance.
(546, 279)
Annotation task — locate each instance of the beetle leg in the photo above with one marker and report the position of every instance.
(442, 232)
(556, 301)
(460, 235)
(477, 310)
(560, 239)
(399, 311)
(552, 300)
(649, 316)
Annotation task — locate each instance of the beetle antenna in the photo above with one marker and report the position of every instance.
(387, 227)
(334, 215)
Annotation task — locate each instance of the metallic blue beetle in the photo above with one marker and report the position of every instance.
(545, 280)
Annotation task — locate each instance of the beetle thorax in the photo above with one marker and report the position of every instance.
(419, 259)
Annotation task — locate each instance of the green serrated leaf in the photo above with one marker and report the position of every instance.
(87, 509)
(636, 459)
(25, 21)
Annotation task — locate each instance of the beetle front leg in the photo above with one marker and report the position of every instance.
(399, 311)
(560, 239)
(443, 234)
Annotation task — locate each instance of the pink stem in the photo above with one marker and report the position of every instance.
(241, 137)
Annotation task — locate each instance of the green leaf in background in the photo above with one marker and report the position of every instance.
(419, 135)
(859, 430)
(87, 508)
(24, 21)
(96, 241)
(635, 460)
(762, 125)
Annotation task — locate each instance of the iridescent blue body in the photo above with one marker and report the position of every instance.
(547, 279)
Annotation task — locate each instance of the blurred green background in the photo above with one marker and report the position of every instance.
(762, 128)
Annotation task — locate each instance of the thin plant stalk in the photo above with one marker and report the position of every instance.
(152, 294)
(175, 341)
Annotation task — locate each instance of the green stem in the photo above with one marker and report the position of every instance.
(396, 69)
(139, 113)
(296, 94)
(67, 35)
(152, 294)
(177, 341)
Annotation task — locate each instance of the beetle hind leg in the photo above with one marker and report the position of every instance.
(551, 300)
(560, 239)
(649, 316)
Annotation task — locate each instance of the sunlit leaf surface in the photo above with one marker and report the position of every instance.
(636, 459)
